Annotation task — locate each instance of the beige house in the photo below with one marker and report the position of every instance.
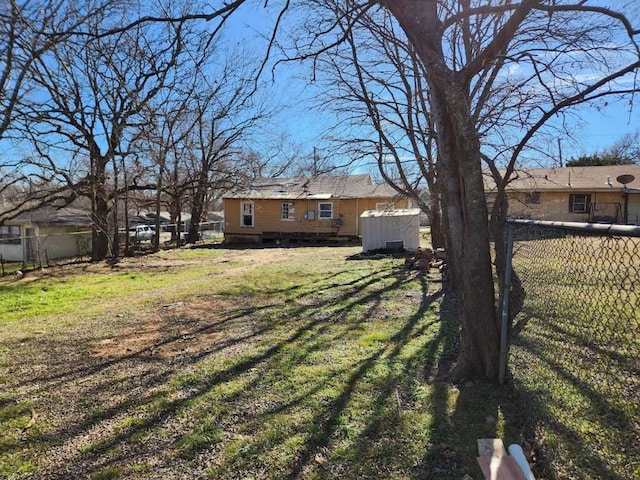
(607, 194)
(46, 233)
(303, 208)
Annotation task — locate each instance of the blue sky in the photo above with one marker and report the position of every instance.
(306, 121)
(602, 129)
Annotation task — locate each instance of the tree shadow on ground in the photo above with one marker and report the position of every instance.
(338, 382)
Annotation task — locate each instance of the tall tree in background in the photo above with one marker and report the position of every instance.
(224, 120)
(199, 135)
(624, 151)
(92, 93)
(376, 84)
(29, 29)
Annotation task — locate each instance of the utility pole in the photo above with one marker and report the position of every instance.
(560, 152)
(315, 162)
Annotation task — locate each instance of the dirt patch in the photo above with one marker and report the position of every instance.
(174, 329)
(150, 339)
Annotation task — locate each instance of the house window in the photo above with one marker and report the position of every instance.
(288, 211)
(246, 214)
(579, 203)
(325, 210)
(10, 235)
(384, 206)
(532, 198)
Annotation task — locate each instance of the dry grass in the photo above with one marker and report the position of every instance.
(215, 363)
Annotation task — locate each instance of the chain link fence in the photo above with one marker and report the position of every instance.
(19, 252)
(575, 344)
(24, 252)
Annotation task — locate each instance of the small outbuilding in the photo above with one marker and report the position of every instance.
(396, 230)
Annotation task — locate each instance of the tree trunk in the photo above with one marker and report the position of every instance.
(115, 253)
(100, 238)
(464, 205)
(466, 216)
(156, 237)
(435, 214)
(197, 206)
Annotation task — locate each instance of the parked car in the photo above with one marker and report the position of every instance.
(139, 233)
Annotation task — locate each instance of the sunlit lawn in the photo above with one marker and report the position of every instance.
(212, 363)
(576, 358)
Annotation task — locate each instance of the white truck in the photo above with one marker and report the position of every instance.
(140, 233)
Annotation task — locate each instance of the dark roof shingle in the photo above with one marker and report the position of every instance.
(49, 215)
(346, 186)
(569, 178)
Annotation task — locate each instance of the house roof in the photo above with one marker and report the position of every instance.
(52, 216)
(398, 212)
(569, 179)
(319, 188)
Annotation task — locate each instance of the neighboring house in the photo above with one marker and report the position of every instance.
(607, 194)
(46, 233)
(296, 208)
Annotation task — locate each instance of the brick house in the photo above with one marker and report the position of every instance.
(606, 194)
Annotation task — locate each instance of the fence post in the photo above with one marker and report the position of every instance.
(504, 329)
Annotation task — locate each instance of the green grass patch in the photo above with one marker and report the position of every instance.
(316, 366)
(204, 435)
(575, 358)
(109, 473)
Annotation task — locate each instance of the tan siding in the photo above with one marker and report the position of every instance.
(555, 205)
(268, 213)
(232, 215)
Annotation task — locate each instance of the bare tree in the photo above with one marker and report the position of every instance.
(626, 150)
(199, 135)
(375, 83)
(224, 120)
(465, 47)
(29, 29)
(92, 94)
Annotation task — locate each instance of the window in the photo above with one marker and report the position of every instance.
(532, 198)
(325, 210)
(384, 206)
(579, 203)
(288, 211)
(247, 214)
(10, 235)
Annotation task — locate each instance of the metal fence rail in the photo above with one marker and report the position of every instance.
(575, 341)
(38, 251)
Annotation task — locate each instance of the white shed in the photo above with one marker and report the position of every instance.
(391, 229)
